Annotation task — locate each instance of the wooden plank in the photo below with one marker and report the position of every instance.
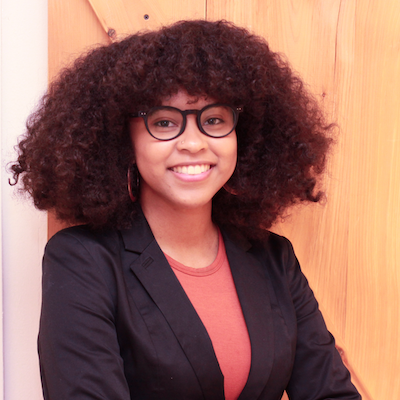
(122, 17)
(374, 197)
(113, 17)
(73, 29)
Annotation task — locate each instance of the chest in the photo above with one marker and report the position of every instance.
(167, 351)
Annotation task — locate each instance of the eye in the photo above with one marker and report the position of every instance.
(217, 117)
(164, 124)
(213, 121)
(164, 119)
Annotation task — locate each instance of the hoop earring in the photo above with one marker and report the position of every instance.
(230, 190)
(133, 194)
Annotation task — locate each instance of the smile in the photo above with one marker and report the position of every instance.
(191, 169)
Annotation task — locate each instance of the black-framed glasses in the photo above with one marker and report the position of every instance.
(167, 123)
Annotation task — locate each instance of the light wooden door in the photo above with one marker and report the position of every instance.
(349, 53)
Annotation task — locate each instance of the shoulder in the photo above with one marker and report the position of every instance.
(81, 240)
(274, 245)
(277, 255)
(79, 254)
(275, 252)
(84, 235)
(283, 271)
(270, 244)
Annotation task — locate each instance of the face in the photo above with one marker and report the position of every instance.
(185, 172)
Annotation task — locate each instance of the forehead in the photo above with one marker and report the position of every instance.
(184, 101)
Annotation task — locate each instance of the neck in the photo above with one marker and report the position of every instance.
(187, 235)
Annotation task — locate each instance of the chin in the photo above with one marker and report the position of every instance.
(189, 204)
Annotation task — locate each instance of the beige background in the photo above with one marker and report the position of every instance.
(349, 54)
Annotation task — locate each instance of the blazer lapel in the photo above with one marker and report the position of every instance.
(253, 293)
(155, 274)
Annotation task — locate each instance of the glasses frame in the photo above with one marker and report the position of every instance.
(144, 114)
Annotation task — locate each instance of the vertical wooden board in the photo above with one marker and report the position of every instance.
(304, 31)
(320, 233)
(73, 29)
(125, 16)
(374, 233)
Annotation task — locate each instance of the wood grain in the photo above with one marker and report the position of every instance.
(123, 17)
(73, 29)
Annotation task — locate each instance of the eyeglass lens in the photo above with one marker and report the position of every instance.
(166, 122)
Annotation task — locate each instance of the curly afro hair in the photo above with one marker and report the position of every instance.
(76, 151)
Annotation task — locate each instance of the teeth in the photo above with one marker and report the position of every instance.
(191, 169)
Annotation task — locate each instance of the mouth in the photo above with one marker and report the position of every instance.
(191, 169)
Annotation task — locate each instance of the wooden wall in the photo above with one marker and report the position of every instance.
(349, 54)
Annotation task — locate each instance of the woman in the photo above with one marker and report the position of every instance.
(175, 151)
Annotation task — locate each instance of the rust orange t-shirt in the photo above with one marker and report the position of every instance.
(213, 295)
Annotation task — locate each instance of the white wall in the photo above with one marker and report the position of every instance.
(24, 230)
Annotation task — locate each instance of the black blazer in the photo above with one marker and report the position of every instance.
(117, 325)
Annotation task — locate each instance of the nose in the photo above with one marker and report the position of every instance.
(192, 139)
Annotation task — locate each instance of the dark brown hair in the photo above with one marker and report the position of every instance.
(76, 151)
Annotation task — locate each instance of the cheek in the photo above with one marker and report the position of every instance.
(231, 153)
(141, 144)
(136, 131)
(151, 156)
(146, 158)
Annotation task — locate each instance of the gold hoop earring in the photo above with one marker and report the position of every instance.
(133, 194)
(230, 190)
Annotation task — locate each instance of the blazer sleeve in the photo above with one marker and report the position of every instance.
(78, 347)
(318, 371)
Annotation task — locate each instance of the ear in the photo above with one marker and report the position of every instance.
(133, 182)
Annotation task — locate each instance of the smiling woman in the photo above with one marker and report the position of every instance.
(175, 150)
